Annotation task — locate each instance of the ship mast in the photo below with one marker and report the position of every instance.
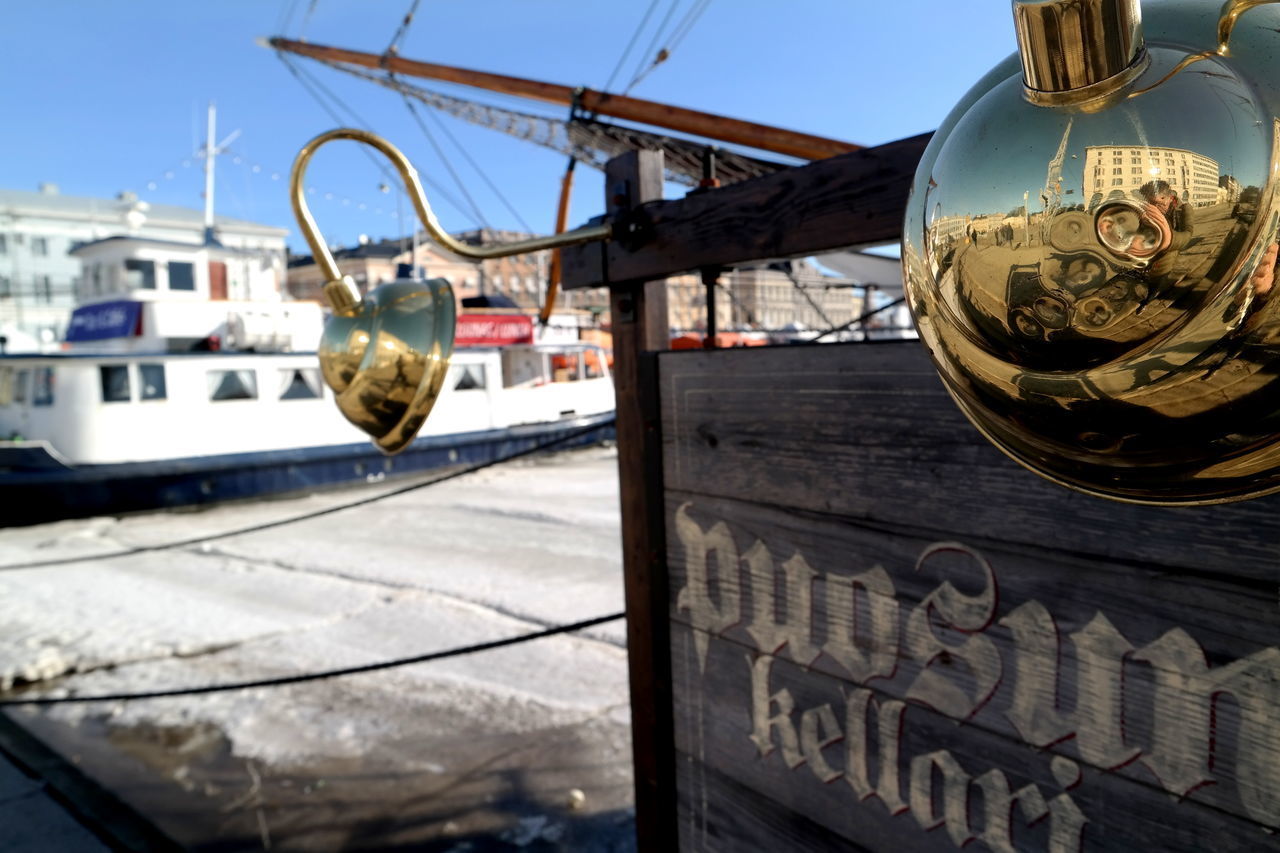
(708, 125)
(210, 153)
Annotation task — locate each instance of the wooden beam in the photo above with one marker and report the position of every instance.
(854, 199)
(638, 311)
(709, 125)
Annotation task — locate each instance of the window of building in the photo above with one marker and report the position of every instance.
(44, 289)
(467, 377)
(1117, 171)
(300, 383)
(6, 287)
(115, 383)
(20, 380)
(42, 393)
(1117, 182)
(139, 275)
(182, 275)
(6, 386)
(232, 385)
(151, 379)
(39, 246)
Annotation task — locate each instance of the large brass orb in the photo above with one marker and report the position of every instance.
(1092, 270)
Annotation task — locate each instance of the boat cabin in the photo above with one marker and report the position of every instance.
(140, 294)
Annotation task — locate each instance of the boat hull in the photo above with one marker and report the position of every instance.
(36, 487)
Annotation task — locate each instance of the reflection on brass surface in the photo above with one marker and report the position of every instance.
(385, 356)
(1077, 50)
(1094, 281)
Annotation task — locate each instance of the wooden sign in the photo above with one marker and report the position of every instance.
(884, 635)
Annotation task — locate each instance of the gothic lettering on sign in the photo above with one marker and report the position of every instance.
(863, 630)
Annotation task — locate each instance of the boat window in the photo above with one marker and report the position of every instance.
(566, 367)
(593, 362)
(151, 378)
(42, 394)
(300, 383)
(20, 380)
(467, 377)
(139, 275)
(182, 275)
(523, 368)
(6, 386)
(232, 385)
(115, 383)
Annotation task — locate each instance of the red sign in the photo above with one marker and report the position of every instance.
(491, 330)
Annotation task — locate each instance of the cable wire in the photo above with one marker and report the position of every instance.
(307, 516)
(653, 43)
(302, 678)
(457, 179)
(856, 320)
(479, 171)
(306, 20)
(403, 29)
(631, 44)
(380, 165)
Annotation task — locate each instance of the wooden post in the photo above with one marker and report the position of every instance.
(639, 316)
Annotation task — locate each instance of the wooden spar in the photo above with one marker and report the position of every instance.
(556, 268)
(856, 199)
(761, 136)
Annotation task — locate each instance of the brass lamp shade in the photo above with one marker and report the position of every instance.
(1090, 249)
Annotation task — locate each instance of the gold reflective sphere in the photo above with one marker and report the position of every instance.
(386, 360)
(1094, 276)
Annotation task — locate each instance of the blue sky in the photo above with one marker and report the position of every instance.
(102, 96)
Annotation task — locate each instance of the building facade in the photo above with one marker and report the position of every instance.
(522, 279)
(1116, 171)
(40, 282)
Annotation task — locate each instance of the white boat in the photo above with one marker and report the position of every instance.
(167, 397)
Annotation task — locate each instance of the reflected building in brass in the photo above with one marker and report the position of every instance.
(1115, 171)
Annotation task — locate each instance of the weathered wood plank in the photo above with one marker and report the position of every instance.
(736, 817)
(949, 785)
(1112, 667)
(639, 311)
(839, 537)
(853, 199)
(867, 432)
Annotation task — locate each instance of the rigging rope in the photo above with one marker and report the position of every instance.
(795, 282)
(326, 674)
(306, 20)
(392, 178)
(677, 35)
(466, 155)
(856, 320)
(307, 516)
(653, 43)
(403, 29)
(444, 159)
(592, 142)
(631, 44)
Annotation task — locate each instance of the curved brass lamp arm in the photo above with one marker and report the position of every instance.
(1231, 11)
(342, 294)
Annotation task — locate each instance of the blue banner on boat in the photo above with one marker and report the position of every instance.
(119, 319)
